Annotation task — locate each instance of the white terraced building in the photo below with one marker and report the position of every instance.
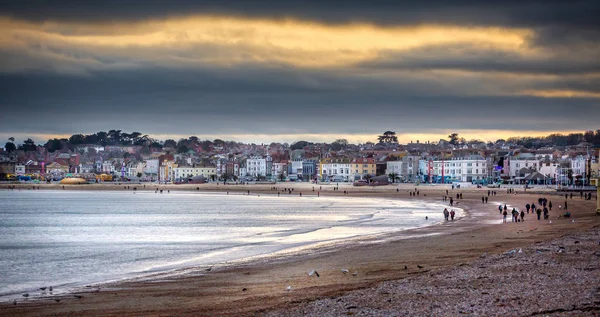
(256, 166)
(462, 170)
(183, 172)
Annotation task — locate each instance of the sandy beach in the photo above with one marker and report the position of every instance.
(435, 270)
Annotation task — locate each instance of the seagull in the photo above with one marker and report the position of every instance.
(406, 267)
(345, 271)
(289, 288)
(314, 272)
(57, 300)
(420, 267)
(355, 273)
(208, 270)
(43, 288)
(26, 295)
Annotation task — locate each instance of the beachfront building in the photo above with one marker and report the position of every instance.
(295, 166)
(337, 170)
(394, 167)
(309, 169)
(578, 166)
(469, 169)
(550, 169)
(151, 169)
(279, 168)
(361, 167)
(256, 166)
(518, 162)
(57, 168)
(410, 167)
(165, 172)
(185, 172)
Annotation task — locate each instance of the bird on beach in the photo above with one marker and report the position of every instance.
(43, 288)
(50, 288)
(26, 295)
(406, 267)
(289, 288)
(420, 267)
(314, 272)
(345, 271)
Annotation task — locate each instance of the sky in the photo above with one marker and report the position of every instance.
(281, 71)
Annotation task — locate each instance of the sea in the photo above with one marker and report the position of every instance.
(68, 239)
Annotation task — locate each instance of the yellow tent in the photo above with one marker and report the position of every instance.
(73, 181)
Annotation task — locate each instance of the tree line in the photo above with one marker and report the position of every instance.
(118, 137)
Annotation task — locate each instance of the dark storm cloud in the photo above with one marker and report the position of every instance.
(53, 83)
(178, 102)
(468, 57)
(580, 13)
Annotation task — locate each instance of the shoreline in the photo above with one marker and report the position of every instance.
(257, 287)
(174, 270)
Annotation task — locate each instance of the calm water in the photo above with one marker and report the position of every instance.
(71, 238)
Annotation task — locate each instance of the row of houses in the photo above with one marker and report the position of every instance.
(423, 163)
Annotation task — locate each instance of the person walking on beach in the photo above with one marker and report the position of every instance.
(539, 213)
(550, 205)
(451, 201)
(522, 216)
(527, 207)
(545, 213)
(452, 213)
(486, 200)
(482, 200)
(515, 215)
(446, 213)
(500, 208)
(504, 216)
(565, 205)
(505, 207)
(571, 195)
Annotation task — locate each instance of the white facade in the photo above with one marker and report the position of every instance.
(189, 171)
(394, 167)
(256, 166)
(336, 170)
(515, 165)
(243, 171)
(151, 167)
(278, 168)
(296, 167)
(549, 169)
(578, 165)
(461, 170)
